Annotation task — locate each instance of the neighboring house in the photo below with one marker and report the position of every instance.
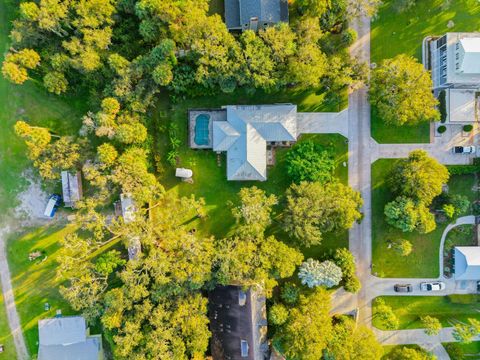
(454, 60)
(467, 263)
(246, 133)
(461, 105)
(238, 322)
(254, 14)
(72, 188)
(68, 338)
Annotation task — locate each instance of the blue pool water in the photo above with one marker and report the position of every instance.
(201, 129)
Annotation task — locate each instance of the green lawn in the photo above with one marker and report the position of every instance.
(471, 351)
(423, 261)
(34, 282)
(394, 33)
(448, 309)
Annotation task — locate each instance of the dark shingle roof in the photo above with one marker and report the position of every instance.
(239, 12)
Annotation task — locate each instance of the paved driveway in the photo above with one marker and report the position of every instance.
(323, 123)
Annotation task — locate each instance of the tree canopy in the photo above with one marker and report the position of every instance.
(308, 161)
(313, 209)
(401, 92)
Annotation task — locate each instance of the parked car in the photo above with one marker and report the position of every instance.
(52, 205)
(478, 286)
(403, 288)
(464, 150)
(432, 286)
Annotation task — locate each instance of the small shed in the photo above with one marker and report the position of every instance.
(72, 188)
(183, 173)
(128, 208)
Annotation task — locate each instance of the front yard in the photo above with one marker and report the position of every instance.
(394, 32)
(448, 309)
(423, 261)
(34, 282)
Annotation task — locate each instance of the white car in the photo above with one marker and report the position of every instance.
(464, 150)
(432, 286)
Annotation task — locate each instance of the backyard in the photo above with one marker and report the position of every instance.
(423, 261)
(448, 309)
(396, 32)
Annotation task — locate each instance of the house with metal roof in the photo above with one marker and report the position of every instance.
(454, 60)
(68, 338)
(254, 14)
(71, 187)
(467, 262)
(247, 131)
(238, 322)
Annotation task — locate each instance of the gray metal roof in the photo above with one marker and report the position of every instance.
(245, 135)
(239, 12)
(467, 263)
(90, 349)
(71, 187)
(128, 208)
(65, 338)
(62, 331)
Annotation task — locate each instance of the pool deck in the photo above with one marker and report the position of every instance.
(214, 114)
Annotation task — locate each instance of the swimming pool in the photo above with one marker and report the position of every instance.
(202, 131)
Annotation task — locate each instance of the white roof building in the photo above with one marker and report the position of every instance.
(467, 263)
(245, 134)
(461, 105)
(455, 60)
(128, 208)
(67, 338)
(71, 187)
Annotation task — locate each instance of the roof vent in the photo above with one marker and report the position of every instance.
(244, 348)
(242, 298)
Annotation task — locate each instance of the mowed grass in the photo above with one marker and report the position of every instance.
(448, 309)
(35, 282)
(394, 33)
(424, 259)
(471, 351)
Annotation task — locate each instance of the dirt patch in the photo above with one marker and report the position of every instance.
(32, 203)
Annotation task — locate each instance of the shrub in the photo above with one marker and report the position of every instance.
(455, 351)
(278, 314)
(463, 169)
(467, 128)
(441, 129)
(442, 107)
(402, 247)
(290, 293)
(463, 299)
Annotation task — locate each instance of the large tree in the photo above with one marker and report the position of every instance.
(351, 342)
(419, 177)
(308, 161)
(408, 215)
(401, 92)
(313, 209)
(308, 329)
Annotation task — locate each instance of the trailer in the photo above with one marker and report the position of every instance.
(52, 205)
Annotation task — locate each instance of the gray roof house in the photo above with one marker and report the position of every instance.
(67, 338)
(71, 187)
(238, 323)
(467, 263)
(254, 14)
(245, 133)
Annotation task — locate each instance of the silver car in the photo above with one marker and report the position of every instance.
(432, 286)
